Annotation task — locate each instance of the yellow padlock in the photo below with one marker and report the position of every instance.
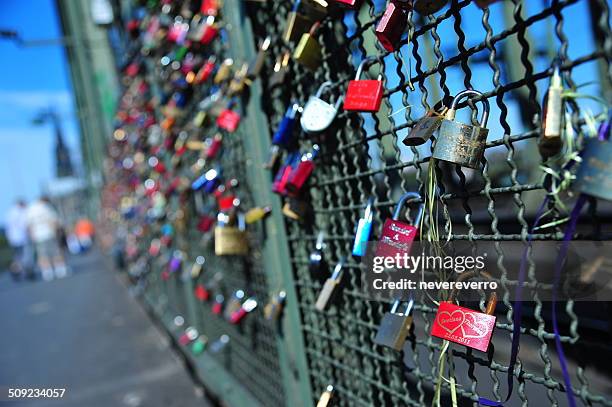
(224, 72)
(308, 50)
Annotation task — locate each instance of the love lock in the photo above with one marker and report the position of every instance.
(463, 325)
(319, 114)
(364, 95)
(460, 143)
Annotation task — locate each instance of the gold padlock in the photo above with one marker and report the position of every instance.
(308, 50)
(239, 81)
(297, 24)
(230, 240)
(224, 72)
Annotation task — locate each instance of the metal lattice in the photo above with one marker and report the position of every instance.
(361, 157)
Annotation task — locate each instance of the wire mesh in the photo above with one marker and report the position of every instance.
(505, 52)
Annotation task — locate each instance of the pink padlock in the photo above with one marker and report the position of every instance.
(396, 236)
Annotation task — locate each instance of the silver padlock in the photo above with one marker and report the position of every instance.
(318, 114)
(394, 326)
(461, 143)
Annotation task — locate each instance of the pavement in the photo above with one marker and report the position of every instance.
(86, 333)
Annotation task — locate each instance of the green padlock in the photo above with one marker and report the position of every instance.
(199, 345)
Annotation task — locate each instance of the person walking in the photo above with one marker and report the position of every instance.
(17, 236)
(43, 226)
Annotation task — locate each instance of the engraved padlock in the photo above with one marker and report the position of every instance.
(427, 7)
(395, 326)
(364, 229)
(308, 50)
(460, 143)
(297, 23)
(318, 114)
(594, 176)
(391, 26)
(463, 325)
(230, 240)
(364, 95)
(397, 237)
(330, 289)
(426, 126)
(553, 110)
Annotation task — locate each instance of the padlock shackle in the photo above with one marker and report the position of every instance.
(407, 198)
(465, 94)
(325, 85)
(319, 244)
(314, 28)
(338, 269)
(366, 61)
(492, 300)
(367, 214)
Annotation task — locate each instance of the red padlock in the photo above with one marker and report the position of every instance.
(213, 145)
(154, 247)
(301, 173)
(352, 4)
(217, 307)
(279, 185)
(364, 95)
(248, 306)
(209, 31)
(391, 26)
(190, 335)
(205, 223)
(209, 7)
(463, 325)
(206, 70)
(228, 120)
(397, 237)
(201, 293)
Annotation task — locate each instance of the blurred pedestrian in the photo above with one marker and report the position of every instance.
(43, 227)
(17, 236)
(84, 230)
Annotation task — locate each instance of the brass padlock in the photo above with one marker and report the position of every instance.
(224, 71)
(331, 287)
(297, 24)
(426, 126)
(239, 81)
(296, 209)
(460, 143)
(550, 141)
(394, 326)
(230, 240)
(308, 50)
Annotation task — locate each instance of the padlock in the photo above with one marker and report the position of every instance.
(351, 4)
(230, 240)
(210, 7)
(213, 145)
(209, 30)
(364, 95)
(550, 141)
(217, 306)
(427, 7)
(239, 81)
(201, 292)
(463, 325)
(247, 307)
(199, 345)
(425, 128)
(395, 326)
(284, 135)
(302, 172)
(330, 289)
(206, 70)
(594, 176)
(190, 335)
(274, 308)
(176, 261)
(256, 214)
(234, 304)
(228, 120)
(297, 24)
(364, 229)
(460, 143)
(256, 66)
(391, 26)
(197, 267)
(205, 223)
(404, 4)
(296, 209)
(220, 344)
(209, 181)
(326, 396)
(280, 70)
(396, 237)
(279, 185)
(308, 50)
(316, 259)
(317, 114)
(316, 10)
(224, 71)
(485, 3)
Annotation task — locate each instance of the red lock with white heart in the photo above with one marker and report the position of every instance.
(464, 325)
(364, 95)
(397, 236)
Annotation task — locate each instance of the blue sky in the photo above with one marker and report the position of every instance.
(31, 79)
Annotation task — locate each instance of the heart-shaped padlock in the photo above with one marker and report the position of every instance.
(318, 114)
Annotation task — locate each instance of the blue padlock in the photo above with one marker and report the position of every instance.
(364, 228)
(209, 181)
(284, 134)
